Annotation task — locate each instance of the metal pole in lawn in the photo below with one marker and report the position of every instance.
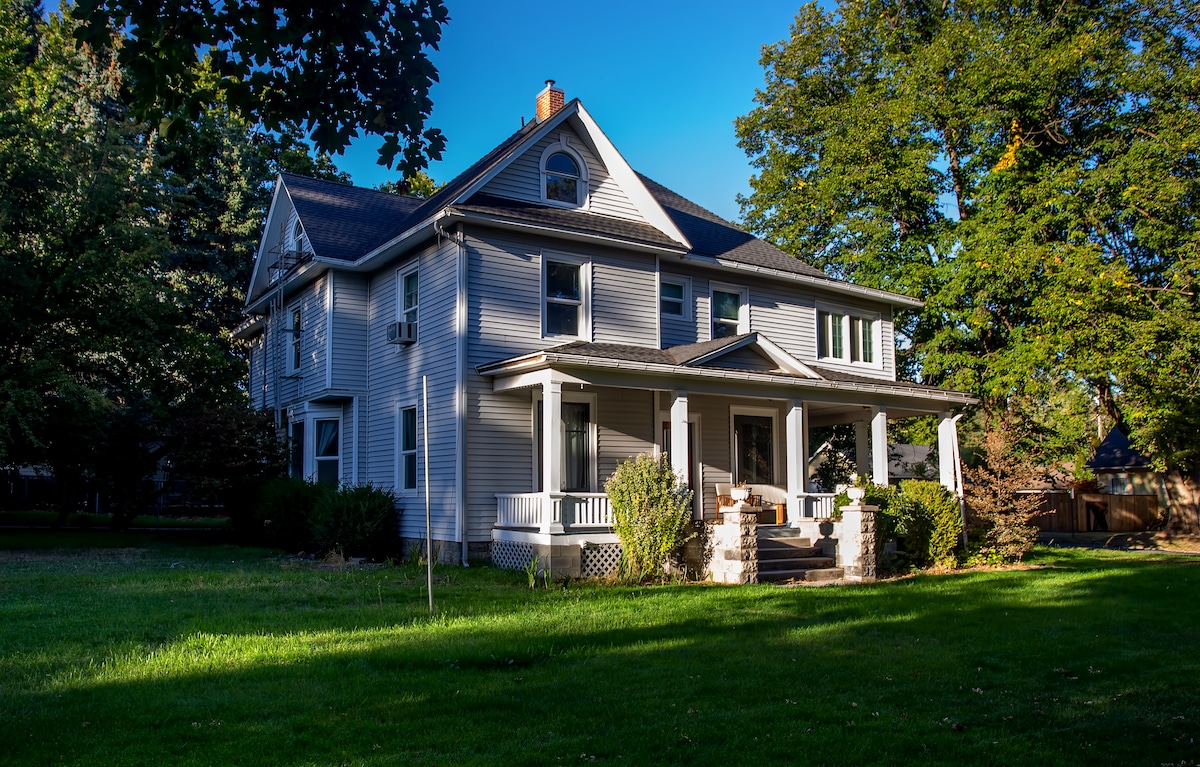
(428, 527)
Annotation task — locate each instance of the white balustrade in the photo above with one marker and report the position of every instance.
(572, 510)
(817, 505)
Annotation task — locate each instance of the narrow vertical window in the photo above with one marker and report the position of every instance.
(408, 448)
(576, 446)
(563, 299)
(408, 297)
(868, 340)
(327, 451)
(296, 462)
(836, 346)
(293, 341)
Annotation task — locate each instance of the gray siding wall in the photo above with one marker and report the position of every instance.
(312, 300)
(625, 427)
(394, 375)
(522, 179)
(256, 357)
(348, 331)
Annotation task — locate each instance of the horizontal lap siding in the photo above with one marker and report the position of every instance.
(624, 299)
(786, 317)
(256, 357)
(349, 331)
(625, 424)
(522, 179)
(394, 376)
(314, 323)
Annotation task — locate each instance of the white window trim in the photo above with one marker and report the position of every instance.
(293, 339)
(413, 268)
(585, 296)
(686, 284)
(593, 437)
(310, 414)
(876, 320)
(398, 480)
(584, 191)
(298, 242)
(776, 437)
(743, 308)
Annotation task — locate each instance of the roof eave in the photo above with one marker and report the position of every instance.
(502, 222)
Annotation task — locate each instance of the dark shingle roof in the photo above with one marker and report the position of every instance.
(713, 236)
(1115, 452)
(344, 221)
(675, 355)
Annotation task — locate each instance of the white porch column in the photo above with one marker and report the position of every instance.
(797, 460)
(862, 447)
(946, 429)
(879, 447)
(679, 435)
(552, 451)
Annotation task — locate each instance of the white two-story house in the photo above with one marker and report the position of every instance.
(551, 284)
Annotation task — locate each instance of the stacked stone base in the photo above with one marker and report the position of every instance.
(734, 542)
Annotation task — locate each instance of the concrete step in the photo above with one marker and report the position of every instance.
(786, 552)
(794, 563)
(804, 574)
(775, 531)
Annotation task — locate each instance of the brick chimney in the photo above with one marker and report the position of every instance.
(549, 101)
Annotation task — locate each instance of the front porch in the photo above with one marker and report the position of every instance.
(717, 426)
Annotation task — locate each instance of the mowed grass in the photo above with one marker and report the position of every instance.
(229, 656)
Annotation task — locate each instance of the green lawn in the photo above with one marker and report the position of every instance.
(85, 521)
(214, 655)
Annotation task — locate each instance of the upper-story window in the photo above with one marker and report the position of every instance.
(409, 295)
(844, 337)
(564, 298)
(293, 340)
(673, 298)
(730, 311)
(564, 176)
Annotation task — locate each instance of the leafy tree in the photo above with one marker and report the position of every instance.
(1031, 171)
(418, 184)
(333, 68)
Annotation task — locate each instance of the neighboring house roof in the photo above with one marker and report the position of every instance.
(1115, 453)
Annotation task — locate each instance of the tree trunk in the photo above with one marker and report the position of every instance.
(1183, 499)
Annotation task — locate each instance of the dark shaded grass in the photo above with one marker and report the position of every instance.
(235, 657)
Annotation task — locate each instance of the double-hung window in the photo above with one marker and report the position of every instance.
(844, 337)
(564, 298)
(327, 451)
(407, 447)
(293, 341)
(409, 296)
(730, 311)
(673, 297)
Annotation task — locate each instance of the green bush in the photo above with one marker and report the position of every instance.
(650, 510)
(355, 521)
(280, 518)
(922, 514)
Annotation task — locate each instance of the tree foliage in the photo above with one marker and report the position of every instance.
(1032, 172)
(333, 68)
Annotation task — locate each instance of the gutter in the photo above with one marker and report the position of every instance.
(542, 360)
(823, 283)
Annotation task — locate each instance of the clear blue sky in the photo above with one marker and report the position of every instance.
(664, 79)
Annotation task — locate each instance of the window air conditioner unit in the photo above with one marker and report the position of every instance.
(402, 333)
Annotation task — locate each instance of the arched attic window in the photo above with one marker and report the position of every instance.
(299, 240)
(564, 176)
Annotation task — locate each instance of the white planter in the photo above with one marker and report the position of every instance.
(739, 493)
(856, 494)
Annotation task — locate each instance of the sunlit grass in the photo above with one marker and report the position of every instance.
(221, 655)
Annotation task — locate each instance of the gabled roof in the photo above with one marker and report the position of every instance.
(341, 221)
(1115, 452)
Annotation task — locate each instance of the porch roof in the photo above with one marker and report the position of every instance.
(650, 368)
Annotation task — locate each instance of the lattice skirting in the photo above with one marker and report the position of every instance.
(511, 555)
(600, 559)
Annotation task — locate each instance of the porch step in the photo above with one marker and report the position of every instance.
(803, 574)
(783, 556)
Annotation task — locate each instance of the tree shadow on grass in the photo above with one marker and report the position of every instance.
(1029, 667)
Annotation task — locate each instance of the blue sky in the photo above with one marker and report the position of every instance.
(665, 80)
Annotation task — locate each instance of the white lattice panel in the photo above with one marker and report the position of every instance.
(511, 555)
(600, 559)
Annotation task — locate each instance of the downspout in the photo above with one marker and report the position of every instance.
(460, 389)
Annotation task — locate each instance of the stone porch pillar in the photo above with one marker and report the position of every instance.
(857, 552)
(735, 546)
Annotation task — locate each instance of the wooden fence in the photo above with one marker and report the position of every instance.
(1093, 512)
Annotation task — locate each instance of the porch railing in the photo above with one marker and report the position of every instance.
(537, 510)
(816, 505)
